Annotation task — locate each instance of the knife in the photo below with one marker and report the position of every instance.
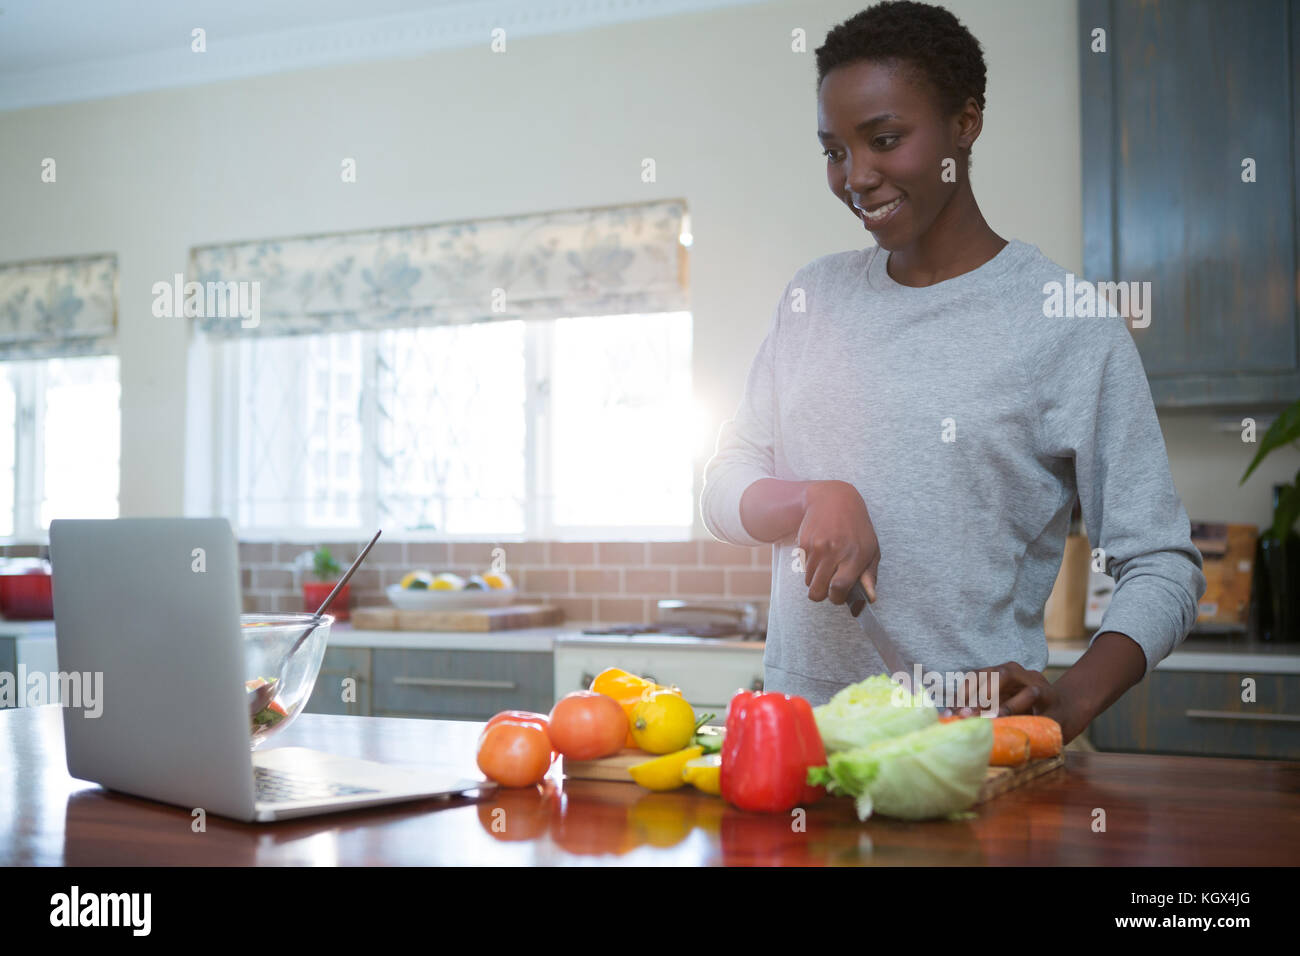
(888, 650)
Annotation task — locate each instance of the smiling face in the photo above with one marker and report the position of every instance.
(885, 140)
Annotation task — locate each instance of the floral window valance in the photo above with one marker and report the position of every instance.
(58, 307)
(602, 261)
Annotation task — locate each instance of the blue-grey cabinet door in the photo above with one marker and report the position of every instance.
(332, 695)
(9, 665)
(1202, 713)
(1185, 94)
(464, 685)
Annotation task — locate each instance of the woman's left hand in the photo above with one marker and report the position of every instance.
(1021, 691)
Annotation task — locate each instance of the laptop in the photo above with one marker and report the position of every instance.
(135, 601)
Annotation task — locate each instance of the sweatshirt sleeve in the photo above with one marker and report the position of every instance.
(1096, 408)
(745, 448)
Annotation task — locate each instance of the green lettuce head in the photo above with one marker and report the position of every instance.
(922, 775)
(871, 711)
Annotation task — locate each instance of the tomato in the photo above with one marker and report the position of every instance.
(514, 753)
(586, 725)
(525, 716)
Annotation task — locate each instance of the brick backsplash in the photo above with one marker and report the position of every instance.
(602, 581)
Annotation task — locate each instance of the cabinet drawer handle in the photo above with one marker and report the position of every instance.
(1233, 715)
(462, 682)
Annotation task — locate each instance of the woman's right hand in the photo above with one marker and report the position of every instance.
(838, 542)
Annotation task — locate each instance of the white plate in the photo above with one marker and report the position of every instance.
(429, 600)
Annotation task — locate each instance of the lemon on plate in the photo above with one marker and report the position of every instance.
(447, 581)
(417, 580)
(498, 579)
(664, 773)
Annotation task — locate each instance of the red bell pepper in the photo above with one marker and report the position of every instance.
(771, 742)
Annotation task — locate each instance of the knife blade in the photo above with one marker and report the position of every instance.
(886, 647)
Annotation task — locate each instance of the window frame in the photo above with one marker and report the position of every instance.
(30, 379)
(29, 421)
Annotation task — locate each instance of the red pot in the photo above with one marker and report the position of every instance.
(314, 594)
(27, 597)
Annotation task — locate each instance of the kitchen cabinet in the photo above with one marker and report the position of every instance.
(1183, 96)
(29, 645)
(1202, 713)
(339, 664)
(523, 671)
(8, 659)
(460, 685)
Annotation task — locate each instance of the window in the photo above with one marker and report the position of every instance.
(297, 400)
(59, 442)
(523, 375)
(621, 408)
(451, 425)
(538, 428)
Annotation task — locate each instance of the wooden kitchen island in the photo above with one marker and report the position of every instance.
(1169, 811)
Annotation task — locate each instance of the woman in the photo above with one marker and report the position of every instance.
(915, 419)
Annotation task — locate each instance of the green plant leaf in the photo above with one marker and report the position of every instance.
(1288, 510)
(1283, 431)
(323, 565)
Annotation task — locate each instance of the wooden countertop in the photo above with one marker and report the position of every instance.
(1173, 811)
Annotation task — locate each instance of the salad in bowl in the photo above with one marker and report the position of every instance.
(277, 684)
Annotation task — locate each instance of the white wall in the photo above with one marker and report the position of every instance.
(718, 99)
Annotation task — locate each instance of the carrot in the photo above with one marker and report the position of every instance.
(950, 718)
(1010, 747)
(1044, 733)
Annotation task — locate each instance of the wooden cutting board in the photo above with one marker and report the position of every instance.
(505, 618)
(997, 780)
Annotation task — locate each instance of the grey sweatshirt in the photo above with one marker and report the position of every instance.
(968, 420)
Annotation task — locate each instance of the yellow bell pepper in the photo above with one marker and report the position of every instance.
(627, 689)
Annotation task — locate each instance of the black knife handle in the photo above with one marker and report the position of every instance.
(857, 598)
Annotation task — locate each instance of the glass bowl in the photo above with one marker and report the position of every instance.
(267, 640)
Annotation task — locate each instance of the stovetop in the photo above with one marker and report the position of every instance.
(676, 630)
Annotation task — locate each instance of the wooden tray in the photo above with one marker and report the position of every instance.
(509, 617)
(997, 780)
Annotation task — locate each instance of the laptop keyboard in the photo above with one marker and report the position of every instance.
(276, 786)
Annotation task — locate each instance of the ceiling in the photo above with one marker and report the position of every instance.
(63, 51)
